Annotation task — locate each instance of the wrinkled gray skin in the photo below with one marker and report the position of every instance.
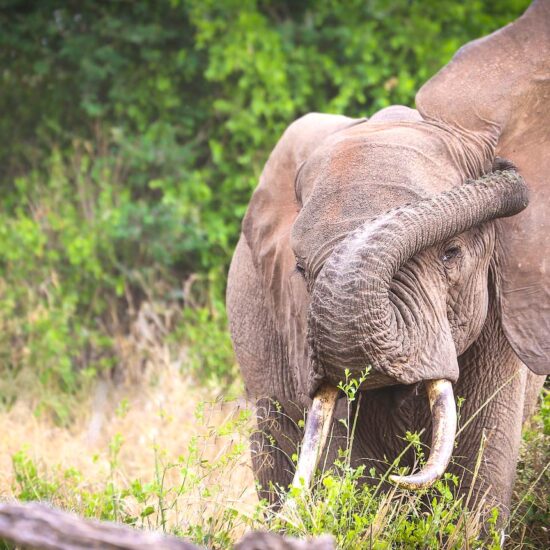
(311, 291)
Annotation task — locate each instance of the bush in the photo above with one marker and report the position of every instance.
(200, 494)
(134, 134)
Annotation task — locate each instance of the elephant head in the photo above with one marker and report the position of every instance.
(398, 226)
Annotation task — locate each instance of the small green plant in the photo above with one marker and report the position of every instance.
(350, 388)
(185, 495)
(188, 495)
(530, 515)
(359, 515)
(31, 485)
(375, 515)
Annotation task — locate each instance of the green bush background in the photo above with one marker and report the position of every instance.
(132, 135)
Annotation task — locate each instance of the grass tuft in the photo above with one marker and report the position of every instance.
(170, 459)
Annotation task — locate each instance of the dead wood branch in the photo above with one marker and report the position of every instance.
(42, 527)
(39, 526)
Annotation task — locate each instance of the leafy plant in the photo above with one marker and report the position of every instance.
(198, 495)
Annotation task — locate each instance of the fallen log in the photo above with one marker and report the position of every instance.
(259, 540)
(39, 526)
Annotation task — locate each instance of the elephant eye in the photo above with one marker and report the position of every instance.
(301, 270)
(451, 253)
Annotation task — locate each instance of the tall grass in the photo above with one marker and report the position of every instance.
(102, 346)
(174, 457)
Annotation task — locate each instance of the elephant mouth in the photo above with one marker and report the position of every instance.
(444, 422)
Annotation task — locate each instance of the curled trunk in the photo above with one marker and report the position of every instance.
(352, 320)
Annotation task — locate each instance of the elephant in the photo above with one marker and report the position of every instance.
(412, 243)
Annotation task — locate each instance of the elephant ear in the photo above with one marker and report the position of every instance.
(274, 206)
(267, 224)
(495, 94)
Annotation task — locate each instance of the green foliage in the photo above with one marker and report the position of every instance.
(31, 484)
(531, 514)
(133, 134)
(163, 500)
(193, 495)
(360, 516)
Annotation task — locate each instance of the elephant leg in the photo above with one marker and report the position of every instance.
(272, 446)
(533, 387)
(269, 383)
(493, 384)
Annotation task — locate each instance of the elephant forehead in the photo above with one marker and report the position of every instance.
(363, 174)
(326, 220)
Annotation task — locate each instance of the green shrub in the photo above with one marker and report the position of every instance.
(195, 495)
(133, 135)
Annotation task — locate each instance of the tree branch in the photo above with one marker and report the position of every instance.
(39, 526)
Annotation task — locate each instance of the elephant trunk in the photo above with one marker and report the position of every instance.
(353, 320)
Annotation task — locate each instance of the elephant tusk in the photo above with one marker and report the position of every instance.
(442, 405)
(318, 424)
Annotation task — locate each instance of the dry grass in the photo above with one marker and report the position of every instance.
(158, 423)
(188, 451)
